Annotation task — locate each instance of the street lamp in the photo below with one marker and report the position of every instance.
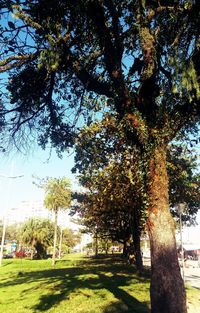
(180, 208)
(4, 221)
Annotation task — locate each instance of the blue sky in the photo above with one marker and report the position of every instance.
(35, 163)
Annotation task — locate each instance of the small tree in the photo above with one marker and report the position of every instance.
(57, 196)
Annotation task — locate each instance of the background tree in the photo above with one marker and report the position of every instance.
(112, 206)
(12, 231)
(1, 229)
(70, 239)
(140, 59)
(105, 244)
(115, 200)
(38, 234)
(57, 197)
(184, 182)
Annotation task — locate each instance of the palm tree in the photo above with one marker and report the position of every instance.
(57, 197)
(38, 234)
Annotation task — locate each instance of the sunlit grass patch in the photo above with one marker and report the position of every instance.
(76, 285)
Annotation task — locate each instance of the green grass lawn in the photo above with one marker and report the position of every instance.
(76, 285)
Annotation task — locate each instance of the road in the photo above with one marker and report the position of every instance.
(192, 274)
(192, 278)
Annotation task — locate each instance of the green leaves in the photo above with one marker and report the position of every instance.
(57, 193)
(111, 172)
(74, 63)
(183, 182)
(186, 81)
(37, 230)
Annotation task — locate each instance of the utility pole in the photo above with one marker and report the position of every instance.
(3, 239)
(181, 208)
(5, 217)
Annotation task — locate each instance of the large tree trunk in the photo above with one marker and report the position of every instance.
(124, 253)
(136, 233)
(106, 247)
(96, 244)
(55, 237)
(167, 287)
(60, 244)
(41, 251)
(32, 252)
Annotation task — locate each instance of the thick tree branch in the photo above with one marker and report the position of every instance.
(15, 61)
(112, 53)
(149, 89)
(89, 81)
(26, 18)
(160, 9)
(49, 99)
(115, 26)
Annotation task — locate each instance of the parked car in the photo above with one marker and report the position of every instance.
(20, 254)
(8, 256)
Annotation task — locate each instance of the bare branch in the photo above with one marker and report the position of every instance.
(49, 99)
(112, 54)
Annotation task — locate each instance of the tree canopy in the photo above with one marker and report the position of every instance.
(57, 193)
(70, 238)
(184, 182)
(111, 172)
(141, 55)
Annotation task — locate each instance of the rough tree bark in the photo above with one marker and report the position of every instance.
(137, 249)
(136, 233)
(96, 244)
(167, 287)
(32, 252)
(124, 252)
(41, 252)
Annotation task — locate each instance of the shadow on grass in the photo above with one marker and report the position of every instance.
(127, 303)
(7, 263)
(120, 307)
(91, 274)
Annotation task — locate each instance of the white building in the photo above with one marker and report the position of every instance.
(26, 210)
(35, 208)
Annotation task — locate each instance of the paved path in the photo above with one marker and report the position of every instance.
(192, 277)
(192, 274)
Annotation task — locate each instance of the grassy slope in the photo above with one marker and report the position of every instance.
(76, 285)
